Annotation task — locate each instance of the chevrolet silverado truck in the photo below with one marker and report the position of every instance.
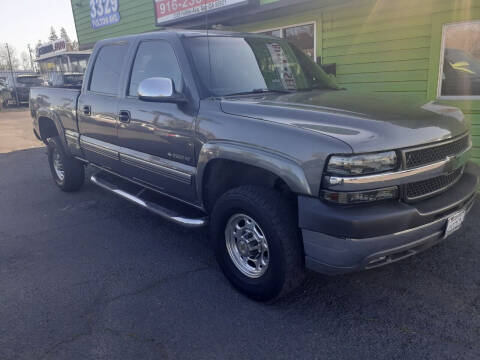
(247, 134)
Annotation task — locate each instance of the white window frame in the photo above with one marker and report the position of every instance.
(441, 63)
(314, 23)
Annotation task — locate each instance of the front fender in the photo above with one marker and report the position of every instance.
(281, 165)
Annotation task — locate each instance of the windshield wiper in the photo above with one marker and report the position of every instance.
(260, 91)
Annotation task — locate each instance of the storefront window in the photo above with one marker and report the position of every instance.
(461, 60)
(303, 36)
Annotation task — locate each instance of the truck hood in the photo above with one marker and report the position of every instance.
(365, 122)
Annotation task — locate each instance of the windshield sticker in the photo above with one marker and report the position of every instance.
(282, 66)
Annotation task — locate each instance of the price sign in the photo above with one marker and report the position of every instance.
(170, 10)
(104, 13)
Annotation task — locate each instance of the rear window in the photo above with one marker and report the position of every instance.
(108, 68)
(32, 80)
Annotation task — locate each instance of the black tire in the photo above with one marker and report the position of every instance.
(73, 169)
(278, 221)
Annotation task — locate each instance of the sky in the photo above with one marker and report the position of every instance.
(25, 22)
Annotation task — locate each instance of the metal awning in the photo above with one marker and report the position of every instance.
(49, 56)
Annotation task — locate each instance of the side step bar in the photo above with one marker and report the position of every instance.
(151, 206)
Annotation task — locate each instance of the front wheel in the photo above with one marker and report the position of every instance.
(258, 245)
(68, 172)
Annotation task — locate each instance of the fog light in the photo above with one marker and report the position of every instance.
(359, 197)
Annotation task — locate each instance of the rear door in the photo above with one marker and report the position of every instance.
(157, 137)
(98, 106)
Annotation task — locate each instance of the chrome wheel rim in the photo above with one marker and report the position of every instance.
(247, 245)
(58, 165)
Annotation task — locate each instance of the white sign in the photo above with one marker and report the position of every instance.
(104, 13)
(171, 10)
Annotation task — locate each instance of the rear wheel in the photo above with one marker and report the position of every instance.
(68, 172)
(258, 245)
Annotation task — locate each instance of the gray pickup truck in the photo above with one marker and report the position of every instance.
(246, 133)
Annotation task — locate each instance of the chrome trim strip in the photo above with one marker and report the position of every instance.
(155, 208)
(403, 177)
(72, 135)
(156, 168)
(100, 147)
(176, 171)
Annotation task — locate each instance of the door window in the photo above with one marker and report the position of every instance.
(155, 59)
(108, 68)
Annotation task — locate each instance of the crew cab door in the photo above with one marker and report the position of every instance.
(98, 106)
(157, 137)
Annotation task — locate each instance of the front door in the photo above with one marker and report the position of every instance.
(157, 137)
(98, 107)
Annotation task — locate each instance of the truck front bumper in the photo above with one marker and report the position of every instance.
(340, 239)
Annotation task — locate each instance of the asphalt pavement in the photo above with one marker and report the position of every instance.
(90, 276)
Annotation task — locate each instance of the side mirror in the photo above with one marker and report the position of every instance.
(159, 89)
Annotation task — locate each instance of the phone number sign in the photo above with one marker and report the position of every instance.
(104, 13)
(167, 11)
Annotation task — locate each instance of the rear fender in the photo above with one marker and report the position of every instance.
(42, 113)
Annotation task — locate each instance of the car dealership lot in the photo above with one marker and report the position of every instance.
(88, 275)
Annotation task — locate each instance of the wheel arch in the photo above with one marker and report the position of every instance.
(253, 166)
(49, 126)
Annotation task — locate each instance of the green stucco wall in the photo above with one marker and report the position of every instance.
(137, 16)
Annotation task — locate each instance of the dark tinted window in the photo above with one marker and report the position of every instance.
(155, 59)
(107, 69)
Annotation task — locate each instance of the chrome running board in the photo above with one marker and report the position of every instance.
(154, 207)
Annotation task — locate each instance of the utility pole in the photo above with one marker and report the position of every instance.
(31, 58)
(13, 76)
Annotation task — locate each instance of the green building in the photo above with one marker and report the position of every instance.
(428, 49)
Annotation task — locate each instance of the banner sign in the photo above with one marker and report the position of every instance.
(54, 47)
(104, 13)
(167, 11)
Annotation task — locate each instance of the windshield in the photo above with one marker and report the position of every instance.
(242, 65)
(32, 80)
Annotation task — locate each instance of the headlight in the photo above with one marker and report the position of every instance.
(354, 165)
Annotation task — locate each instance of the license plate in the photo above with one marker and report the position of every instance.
(455, 222)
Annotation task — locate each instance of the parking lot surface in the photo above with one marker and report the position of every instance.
(90, 276)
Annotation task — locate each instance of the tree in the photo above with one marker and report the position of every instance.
(25, 59)
(64, 35)
(53, 34)
(4, 63)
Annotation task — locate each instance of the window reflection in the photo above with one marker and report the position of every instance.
(303, 36)
(461, 60)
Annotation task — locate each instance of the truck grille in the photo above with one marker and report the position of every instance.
(429, 155)
(425, 188)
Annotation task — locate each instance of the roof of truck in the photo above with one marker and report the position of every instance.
(184, 33)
